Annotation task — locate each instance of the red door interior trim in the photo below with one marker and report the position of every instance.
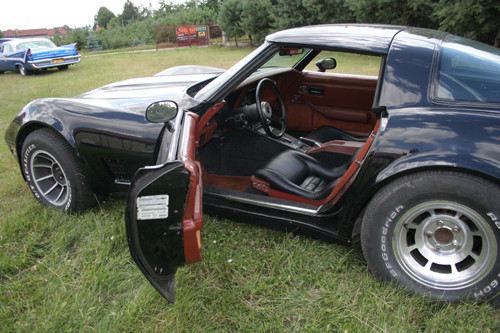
(201, 126)
(193, 213)
(341, 113)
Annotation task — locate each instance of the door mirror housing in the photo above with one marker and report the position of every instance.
(161, 112)
(326, 63)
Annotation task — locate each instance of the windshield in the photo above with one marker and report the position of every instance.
(38, 44)
(213, 86)
(285, 58)
(269, 56)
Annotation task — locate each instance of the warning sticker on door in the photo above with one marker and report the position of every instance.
(152, 207)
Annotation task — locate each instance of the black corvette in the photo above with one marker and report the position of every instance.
(407, 160)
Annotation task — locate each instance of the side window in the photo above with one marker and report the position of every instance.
(22, 47)
(348, 63)
(7, 48)
(468, 72)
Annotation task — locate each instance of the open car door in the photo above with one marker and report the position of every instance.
(164, 211)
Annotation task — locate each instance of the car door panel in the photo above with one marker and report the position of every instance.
(164, 214)
(157, 234)
(3, 62)
(193, 215)
(338, 100)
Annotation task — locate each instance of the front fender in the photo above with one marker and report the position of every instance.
(34, 115)
(110, 144)
(29, 120)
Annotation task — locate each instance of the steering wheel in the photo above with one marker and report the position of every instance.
(266, 114)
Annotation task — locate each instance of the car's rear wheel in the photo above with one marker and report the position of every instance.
(22, 70)
(53, 174)
(437, 234)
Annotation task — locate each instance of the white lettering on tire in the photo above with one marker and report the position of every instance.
(25, 161)
(494, 283)
(70, 196)
(383, 239)
(488, 289)
(494, 219)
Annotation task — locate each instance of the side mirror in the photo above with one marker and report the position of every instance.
(161, 112)
(326, 63)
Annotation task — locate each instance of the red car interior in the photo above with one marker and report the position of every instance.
(331, 112)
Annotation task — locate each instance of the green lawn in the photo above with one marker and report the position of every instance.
(62, 272)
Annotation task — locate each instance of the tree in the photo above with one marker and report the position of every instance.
(115, 22)
(212, 4)
(256, 20)
(478, 19)
(103, 17)
(229, 19)
(92, 43)
(290, 13)
(130, 13)
(78, 36)
(57, 39)
(329, 11)
(417, 13)
(167, 8)
(200, 15)
(145, 12)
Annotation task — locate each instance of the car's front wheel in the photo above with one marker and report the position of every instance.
(53, 174)
(437, 234)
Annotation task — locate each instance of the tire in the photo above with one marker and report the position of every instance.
(53, 174)
(22, 70)
(436, 234)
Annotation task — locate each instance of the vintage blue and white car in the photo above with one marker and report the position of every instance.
(26, 55)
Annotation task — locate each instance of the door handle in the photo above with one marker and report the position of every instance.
(319, 91)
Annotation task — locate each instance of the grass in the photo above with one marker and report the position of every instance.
(62, 273)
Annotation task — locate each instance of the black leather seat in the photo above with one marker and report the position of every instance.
(327, 133)
(296, 173)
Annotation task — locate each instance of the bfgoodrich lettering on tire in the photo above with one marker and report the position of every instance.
(53, 173)
(437, 234)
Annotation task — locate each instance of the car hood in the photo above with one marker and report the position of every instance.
(122, 103)
(134, 95)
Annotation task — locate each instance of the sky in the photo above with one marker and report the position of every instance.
(37, 14)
